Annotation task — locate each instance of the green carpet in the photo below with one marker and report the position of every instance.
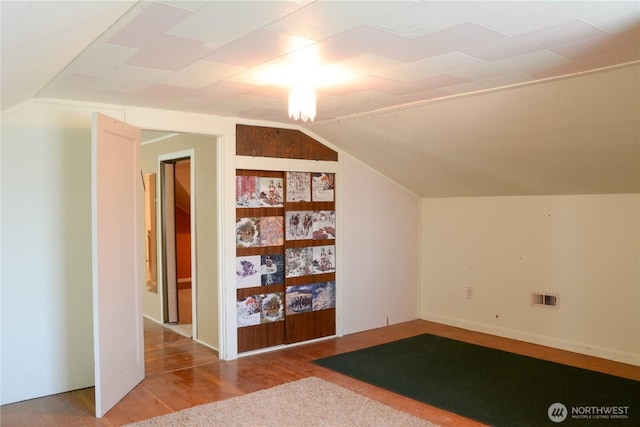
(492, 386)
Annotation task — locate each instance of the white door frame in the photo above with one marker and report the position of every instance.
(177, 155)
(223, 132)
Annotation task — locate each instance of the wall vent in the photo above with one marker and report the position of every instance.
(544, 299)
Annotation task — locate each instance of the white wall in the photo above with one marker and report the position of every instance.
(47, 344)
(46, 288)
(381, 245)
(585, 248)
(46, 318)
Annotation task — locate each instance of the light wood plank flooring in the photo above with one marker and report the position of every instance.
(181, 373)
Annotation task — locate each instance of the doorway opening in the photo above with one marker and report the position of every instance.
(172, 152)
(178, 287)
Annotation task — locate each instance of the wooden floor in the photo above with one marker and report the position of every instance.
(181, 373)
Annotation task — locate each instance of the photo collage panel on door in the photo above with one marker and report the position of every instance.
(285, 257)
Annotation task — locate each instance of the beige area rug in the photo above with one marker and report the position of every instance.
(307, 402)
(184, 330)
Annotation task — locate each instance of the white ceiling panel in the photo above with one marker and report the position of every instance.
(170, 53)
(441, 64)
(101, 59)
(190, 5)
(589, 63)
(366, 63)
(458, 38)
(523, 63)
(158, 94)
(32, 31)
(358, 86)
(75, 85)
(627, 40)
(432, 16)
(322, 19)
(127, 78)
(559, 35)
(364, 39)
(256, 48)
(447, 98)
(200, 74)
(222, 22)
(529, 16)
(264, 74)
(146, 22)
(620, 16)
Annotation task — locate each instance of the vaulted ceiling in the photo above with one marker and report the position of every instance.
(449, 98)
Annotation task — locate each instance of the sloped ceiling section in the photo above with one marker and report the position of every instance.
(39, 39)
(577, 135)
(448, 98)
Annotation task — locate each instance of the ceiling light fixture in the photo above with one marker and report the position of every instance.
(302, 103)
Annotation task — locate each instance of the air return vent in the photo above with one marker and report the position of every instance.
(544, 299)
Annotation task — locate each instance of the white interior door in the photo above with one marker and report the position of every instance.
(118, 260)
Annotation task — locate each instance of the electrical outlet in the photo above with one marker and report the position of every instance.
(469, 292)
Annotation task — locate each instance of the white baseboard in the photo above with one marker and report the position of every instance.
(283, 346)
(575, 347)
(206, 344)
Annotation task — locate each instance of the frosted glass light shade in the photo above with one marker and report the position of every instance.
(302, 103)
